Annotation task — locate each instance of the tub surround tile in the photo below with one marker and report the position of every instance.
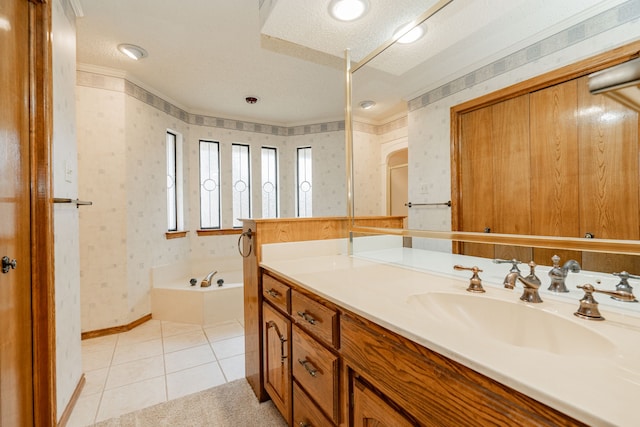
(132, 397)
(189, 358)
(228, 348)
(195, 379)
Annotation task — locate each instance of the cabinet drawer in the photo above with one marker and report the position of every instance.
(305, 412)
(314, 317)
(317, 370)
(276, 292)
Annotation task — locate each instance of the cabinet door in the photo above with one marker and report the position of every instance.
(371, 410)
(277, 363)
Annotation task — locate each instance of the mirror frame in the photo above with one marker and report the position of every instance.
(581, 68)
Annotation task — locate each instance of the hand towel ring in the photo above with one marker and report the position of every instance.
(248, 234)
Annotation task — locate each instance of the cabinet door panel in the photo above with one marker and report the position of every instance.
(277, 363)
(305, 412)
(371, 410)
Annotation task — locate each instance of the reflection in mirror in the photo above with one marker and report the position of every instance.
(621, 83)
(467, 56)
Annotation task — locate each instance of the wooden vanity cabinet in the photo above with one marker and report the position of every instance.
(301, 363)
(277, 359)
(328, 366)
(426, 388)
(369, 408)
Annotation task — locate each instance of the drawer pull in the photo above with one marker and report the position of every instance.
(303, 424)
(273, 293)
(310, 370)
(306, 317)
(272, 324)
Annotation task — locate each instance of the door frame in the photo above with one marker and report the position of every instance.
(389, 169)
(42, 255)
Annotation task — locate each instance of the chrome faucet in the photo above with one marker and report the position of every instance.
(589, 306)
(559, 274)
(531, 284)
(475, 283)
(624, 285)
(514, 266)
(206, 282)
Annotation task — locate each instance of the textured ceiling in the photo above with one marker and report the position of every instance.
(206, 56)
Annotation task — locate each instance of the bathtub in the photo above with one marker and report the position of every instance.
(174, 299)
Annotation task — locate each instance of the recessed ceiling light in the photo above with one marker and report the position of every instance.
(365, 105)
(133, 51)
(348, 10)
(409, 36)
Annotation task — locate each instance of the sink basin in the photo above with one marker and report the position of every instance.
(512, 323)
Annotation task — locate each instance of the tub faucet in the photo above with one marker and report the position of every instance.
(558, 274)
(531, 284)
(206, 282)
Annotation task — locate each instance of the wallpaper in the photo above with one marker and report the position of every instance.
(65, 217)
(121, 151)
(429, 115)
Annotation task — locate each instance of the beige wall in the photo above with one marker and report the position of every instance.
(65, 217)
(121, 149)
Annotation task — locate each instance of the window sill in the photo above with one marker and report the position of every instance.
(219, 232)
(175, 234)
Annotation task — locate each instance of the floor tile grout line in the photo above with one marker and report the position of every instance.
(118, 344)
(106, 378)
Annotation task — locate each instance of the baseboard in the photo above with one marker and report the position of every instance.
(72, 402)
(115, 329)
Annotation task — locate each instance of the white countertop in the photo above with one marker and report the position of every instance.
(598, 387)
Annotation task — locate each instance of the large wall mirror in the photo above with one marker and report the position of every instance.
(506, 67)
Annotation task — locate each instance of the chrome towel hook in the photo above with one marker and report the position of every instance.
(249, 235)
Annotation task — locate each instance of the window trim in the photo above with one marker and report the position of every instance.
(217, 143)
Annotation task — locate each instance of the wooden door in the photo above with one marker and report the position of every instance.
(511, 174)
(476, 179)
(555, 168)
(277, 360)
(16, 387)
(609, 176)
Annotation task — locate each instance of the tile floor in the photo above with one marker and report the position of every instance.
(155, 362)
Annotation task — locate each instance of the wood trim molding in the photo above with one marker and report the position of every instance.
(175, 234)
(115, 329)
(573, 71)
(42, 243)
(219, 232)
(66, 414)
